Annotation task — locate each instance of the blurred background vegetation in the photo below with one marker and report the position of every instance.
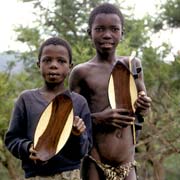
(158, 151)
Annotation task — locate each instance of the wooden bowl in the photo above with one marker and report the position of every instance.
(122, 93)
(122, 90)
(54, 127)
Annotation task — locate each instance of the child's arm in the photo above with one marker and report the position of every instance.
(81, 136)
(16, 139)
(143, 103)
(75, 79)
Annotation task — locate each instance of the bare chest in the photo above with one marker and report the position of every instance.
(97, 88)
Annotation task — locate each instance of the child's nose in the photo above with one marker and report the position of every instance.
(107, 34)
(54, 64)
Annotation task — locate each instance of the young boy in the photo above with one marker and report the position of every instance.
(55, 62)
(112, 155)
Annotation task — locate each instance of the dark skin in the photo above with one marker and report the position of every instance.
(114, 147)
(54, 67)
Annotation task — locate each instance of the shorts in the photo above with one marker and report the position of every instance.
(67, 175)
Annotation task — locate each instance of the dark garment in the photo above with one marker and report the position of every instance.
(27, 111)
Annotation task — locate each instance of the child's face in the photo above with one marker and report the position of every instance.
(54, 63)
(106, 32)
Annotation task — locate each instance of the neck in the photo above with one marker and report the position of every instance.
(53, 88)
(106, 57)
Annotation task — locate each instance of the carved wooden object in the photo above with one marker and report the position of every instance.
(54, 127)
(122, 90)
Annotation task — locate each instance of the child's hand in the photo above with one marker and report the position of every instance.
(143, 103)
(78, 126)
(33, 153)
(116, 117)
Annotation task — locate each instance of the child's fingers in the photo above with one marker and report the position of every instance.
(78, 126)
(82, 125)
(141, 93)
(33, 157)
(32, 150)
(78, 121)
(81, 128)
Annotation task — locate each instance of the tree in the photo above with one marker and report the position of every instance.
(161, 133)
(8, 90)
(171, 13)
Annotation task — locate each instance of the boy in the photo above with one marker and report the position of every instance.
(112, 155)
(55, 62)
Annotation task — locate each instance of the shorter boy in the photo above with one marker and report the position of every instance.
(54, 62)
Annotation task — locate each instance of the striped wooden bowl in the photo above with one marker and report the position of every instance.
(54, 127)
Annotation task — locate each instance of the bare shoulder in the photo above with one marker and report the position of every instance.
(138, 62)
(83, 68)
(78, 69)
(78, 75)
(80, 72)
(125, 60)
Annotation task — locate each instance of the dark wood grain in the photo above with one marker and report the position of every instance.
(46, 146)
(123, 93)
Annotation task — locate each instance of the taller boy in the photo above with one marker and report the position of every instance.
(112, 156)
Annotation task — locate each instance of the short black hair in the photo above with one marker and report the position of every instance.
(56, 41)
(105, 8)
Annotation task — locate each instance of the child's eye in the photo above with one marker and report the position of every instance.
(114, 29)
(99, 29)
(61, 61)
(46, 60)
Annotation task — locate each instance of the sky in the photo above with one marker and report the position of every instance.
(14, 13)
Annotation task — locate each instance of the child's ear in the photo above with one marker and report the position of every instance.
(70, 69)
(122, 34)
(38, 64)
(89, 32)
(70, 66)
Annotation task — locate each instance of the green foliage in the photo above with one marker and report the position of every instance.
(6, 93)
(170, 162)
(168, 15)
(171, 13)
(134, 38)
(160, 137)
(30, 36)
